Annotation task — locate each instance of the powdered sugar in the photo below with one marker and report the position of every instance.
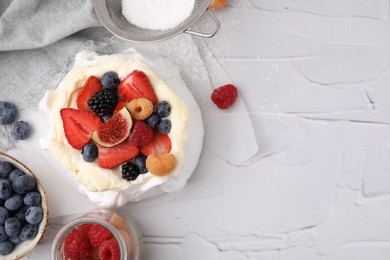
(157, 14)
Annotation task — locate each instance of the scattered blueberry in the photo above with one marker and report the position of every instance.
(89, 152)
(5, 169)
(32, 198)
(15, 173)
(29, 231)
(152, 120)
(14, 240)
(5, 189)
(12, 227)
(3, 215)
(110, 80)
(23, 184)
(163, 109)
(3, 235)
(34, 215)
(5, 247)
(14, 202)
(140, 161)
(21, 130)
(7, 113)
(164, 126)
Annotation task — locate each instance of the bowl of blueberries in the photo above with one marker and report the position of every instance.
(23, 209)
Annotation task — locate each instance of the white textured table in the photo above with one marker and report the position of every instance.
(314, 76)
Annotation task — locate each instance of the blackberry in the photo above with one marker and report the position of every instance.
(103, 102)
(130, 171)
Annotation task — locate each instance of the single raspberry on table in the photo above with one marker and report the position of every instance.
(76, 246)
(109, 250)
(97, 234)
(224, 96)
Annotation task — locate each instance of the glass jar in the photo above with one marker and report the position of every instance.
(125, 231)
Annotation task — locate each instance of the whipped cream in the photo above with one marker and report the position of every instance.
(106, 186)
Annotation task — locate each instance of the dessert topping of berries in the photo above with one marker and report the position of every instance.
(160, 164)
(141, 134)
(140, 108)
(89, 152)
(163, 109)
(110, 157)
(160, 144)
(110, 80)
(224, 96)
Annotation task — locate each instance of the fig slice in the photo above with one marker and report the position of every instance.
(115, 130)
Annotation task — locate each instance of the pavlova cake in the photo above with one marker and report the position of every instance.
(124, 125)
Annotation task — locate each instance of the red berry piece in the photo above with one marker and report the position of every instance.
(141, 134)
(97, 234)
(83, 228)
(160, 144)
(110, 157)
(137, 85)
(224, 96)
(79, 126)
(109, 250)
(76, 246)
(91, 86)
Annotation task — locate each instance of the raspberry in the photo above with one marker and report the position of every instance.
(141, 134)
(224, 96)
(83, 228)
(76, 246)
(97, 234)
(160, 164)
(109, 250)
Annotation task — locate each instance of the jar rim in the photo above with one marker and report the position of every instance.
(69, 226)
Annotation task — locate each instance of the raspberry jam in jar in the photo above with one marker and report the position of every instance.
(99, 234)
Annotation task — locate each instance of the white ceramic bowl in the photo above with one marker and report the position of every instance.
(26, 247)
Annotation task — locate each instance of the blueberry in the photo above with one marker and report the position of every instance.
(5, 169)
(105, 118)
(152, 120)
(15, 240)
(21, 130)
(34, 215)
(164, 126)
(32, 198)
(15, 173)
(3, 215)
(89, 152)
(110, 80)
(12, 227)
(5, 189)
(163, 109)
(7, 113)
(21, 214)
(140, 162)
(23, 184)
(28, 232)
(5, 247)
(14, 202)
(3, 235)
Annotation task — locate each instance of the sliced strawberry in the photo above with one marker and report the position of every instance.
(91, 86)
(137, 85)
(79, 126)
(160, 144)
(113, 156)
(120, 105)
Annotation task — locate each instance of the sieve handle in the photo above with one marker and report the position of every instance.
(207, 35)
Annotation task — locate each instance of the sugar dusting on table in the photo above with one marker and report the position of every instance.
(157, 14)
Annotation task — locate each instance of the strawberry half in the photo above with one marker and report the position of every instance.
(79, 126)
(120, 105)
(113, 156)
(160, 144)
(137, 85)
(91, 86)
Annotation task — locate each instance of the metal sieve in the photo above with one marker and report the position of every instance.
(110, 14)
